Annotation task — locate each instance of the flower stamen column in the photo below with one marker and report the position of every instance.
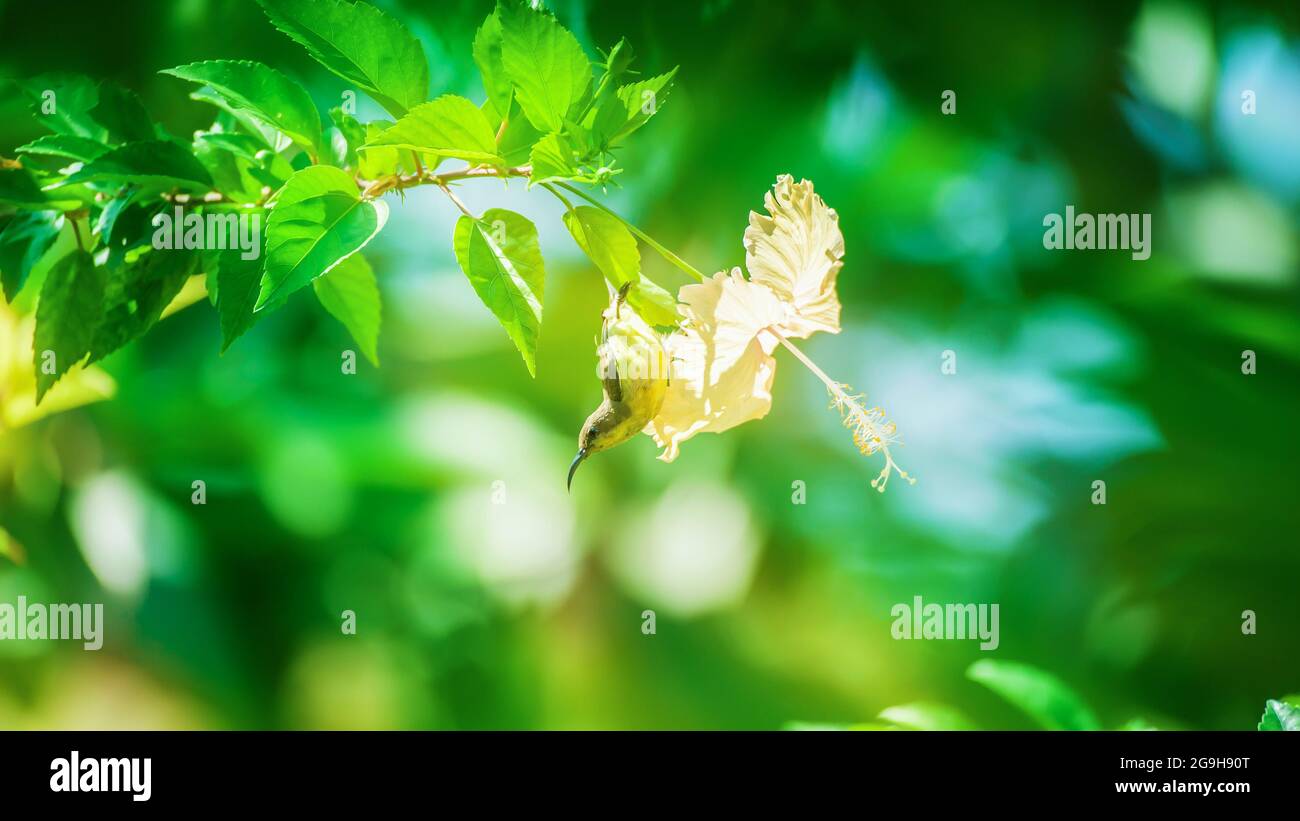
(871, 432)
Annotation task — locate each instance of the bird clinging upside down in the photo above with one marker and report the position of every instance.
(634, 377)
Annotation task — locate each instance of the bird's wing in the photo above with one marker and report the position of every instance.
(613, 388)
(609, 370)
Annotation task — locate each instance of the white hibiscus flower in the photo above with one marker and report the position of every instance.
(723, 366)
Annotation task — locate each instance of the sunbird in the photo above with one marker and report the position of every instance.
(634, 379)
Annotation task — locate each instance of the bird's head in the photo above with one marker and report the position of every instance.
(590, 440)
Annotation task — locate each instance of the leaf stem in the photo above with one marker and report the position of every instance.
(600, 89)
(72, 217)
(568, 205)
(643, 236)
(447, 190)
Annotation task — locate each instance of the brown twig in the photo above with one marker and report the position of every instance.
(400, 182)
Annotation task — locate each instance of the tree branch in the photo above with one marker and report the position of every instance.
(381, 186)
(400, 182)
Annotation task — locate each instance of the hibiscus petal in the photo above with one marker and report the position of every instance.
(797, 252)
(694, 405)
(722, 368)
(728, 311)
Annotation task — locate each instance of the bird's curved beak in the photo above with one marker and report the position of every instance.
(573, 468)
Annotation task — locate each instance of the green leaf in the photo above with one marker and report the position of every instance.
(620, 114)
(607, 242)
(238, 283)
(25, 300)
(244, 146)
(122, 114)
(545, 64)
(926, 716)
(80, 149)
(654, 304)
(516, 144)
(487, 55)
(135, 295)
(450, 126)
(208, 263)
(1279, 715)
(158, 163)
(24, 240)
(351, 295)
(318, 221)
(359, 43)
(1044, 697)
(18, 187)
(127, 220)
(269, 137)
(69, 309)
(262, 92)
(500, 255)
(611, 246)
(240, 165)
(231, 173)
(113, 211)
(63, 103)
(353, 133)
(552, 159)
(374, 163)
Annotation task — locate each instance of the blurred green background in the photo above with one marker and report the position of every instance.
(375, 492)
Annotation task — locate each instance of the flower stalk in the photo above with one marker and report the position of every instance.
(682, 264)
